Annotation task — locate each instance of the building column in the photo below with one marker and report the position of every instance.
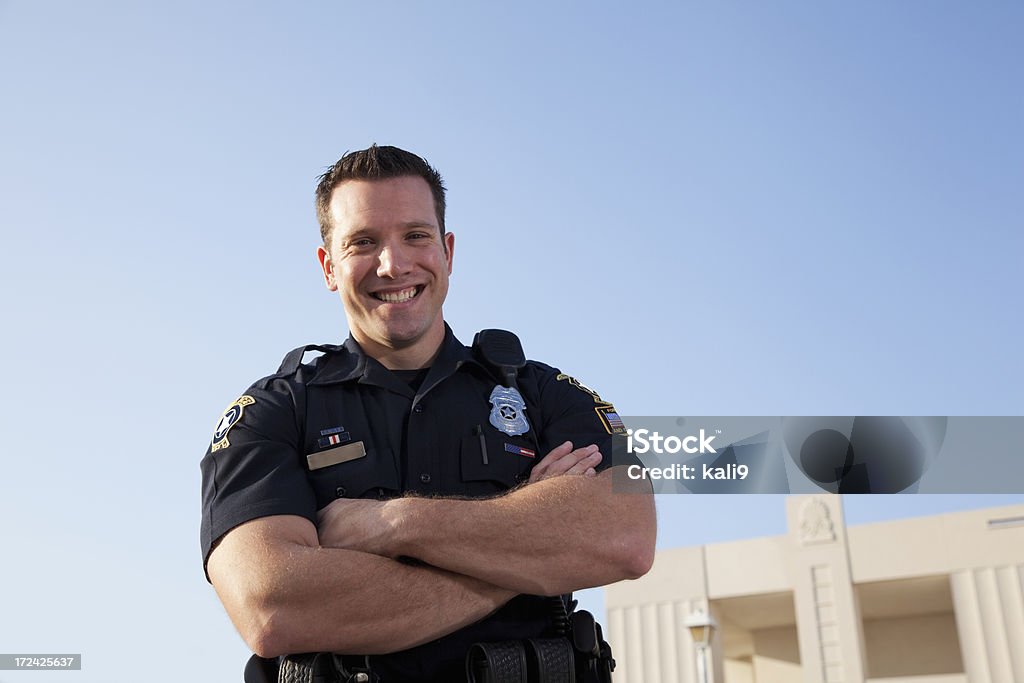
(989, 607)
(651, 645)
(646, 621)
(829, 627)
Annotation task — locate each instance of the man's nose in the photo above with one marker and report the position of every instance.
(393, 261)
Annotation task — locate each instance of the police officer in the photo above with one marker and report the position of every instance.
(400, 498)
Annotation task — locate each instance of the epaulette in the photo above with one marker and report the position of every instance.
(293, 359)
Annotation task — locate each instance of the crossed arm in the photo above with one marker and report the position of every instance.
(285, 593)
(338, 590)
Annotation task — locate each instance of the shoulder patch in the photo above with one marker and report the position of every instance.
(610, 419)
(228, 420)
(581, 386)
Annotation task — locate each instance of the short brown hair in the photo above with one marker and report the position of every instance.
(375, 163)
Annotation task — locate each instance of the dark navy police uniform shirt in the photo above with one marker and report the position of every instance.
(345, 426)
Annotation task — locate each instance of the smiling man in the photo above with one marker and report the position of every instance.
(389, 258)
(402, 501)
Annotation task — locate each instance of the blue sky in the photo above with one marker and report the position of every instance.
(698, 209)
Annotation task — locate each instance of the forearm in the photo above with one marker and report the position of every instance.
(550, 537)
(296, 597)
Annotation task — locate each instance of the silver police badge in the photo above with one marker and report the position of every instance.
(508, 411)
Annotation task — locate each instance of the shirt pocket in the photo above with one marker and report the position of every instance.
(374, 475)
(493, 463)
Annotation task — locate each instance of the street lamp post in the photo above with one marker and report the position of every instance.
(701, 626)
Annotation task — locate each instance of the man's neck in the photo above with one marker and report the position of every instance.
(418, 355)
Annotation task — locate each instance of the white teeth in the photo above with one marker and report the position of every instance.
(397, 297)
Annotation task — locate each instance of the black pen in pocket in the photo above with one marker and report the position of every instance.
(479, 431)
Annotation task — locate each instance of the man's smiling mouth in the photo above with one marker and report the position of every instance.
(398, 297)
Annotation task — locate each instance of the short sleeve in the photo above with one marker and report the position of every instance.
(253, 467)
(574, 412)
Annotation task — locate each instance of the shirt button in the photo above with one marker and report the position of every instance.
(425, 478)
(418, 408)
(340, 492)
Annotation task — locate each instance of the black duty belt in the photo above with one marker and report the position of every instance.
(521, 661)
(582, 656)
(322, 667)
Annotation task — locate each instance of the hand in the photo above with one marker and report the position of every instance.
(356, 524)
(565, 460)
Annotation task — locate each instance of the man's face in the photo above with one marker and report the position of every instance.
(390, 263)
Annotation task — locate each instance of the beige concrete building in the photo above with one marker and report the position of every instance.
(926, 600)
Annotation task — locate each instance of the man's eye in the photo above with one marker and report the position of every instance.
(361, 242)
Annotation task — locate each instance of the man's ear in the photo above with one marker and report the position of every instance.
(324, 257)
(449, 249)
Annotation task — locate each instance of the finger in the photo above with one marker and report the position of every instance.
(557, 453)
(591, 461)
(566, 463)
(563, 463)
(572, 460)
(554, 456)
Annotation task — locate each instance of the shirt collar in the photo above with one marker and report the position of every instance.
(352, 364)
